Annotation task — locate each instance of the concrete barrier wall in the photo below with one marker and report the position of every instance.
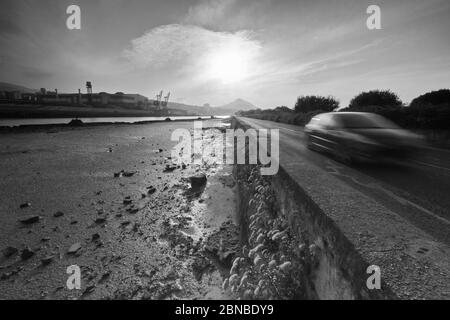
(346, 233)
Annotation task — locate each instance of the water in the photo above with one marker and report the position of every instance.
(21, 122)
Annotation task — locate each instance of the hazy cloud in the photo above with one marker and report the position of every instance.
(186, 45)
(228, 14)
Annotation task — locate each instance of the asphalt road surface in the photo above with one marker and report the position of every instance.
(418, 190)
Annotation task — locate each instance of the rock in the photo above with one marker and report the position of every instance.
(104, 277)
(58, 214)
(227, 257)
(74, 248)
(100, 220)
(95, 236)
(226, 284)
(25, 205)
(248, 294)
(9, 252)
(124, 173)
(127, 201)
(30, 220)
(89, 290)
(151, 190)
(169, 168)
(128, 174)
(285, 267)
(133, 210)
(47, 260)
(76, 123)
(26, 254)
(198, 181)
(272, 264)
(257, 261)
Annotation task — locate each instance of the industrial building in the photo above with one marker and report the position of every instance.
(135, 101)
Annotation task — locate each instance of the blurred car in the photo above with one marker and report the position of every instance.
(358, 136)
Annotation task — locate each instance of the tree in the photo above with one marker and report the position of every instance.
(283, 109)
(306, 104)
(432, 98)
(380, 98)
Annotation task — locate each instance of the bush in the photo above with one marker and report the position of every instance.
(439, 97)
(306, 104)
(380, 98)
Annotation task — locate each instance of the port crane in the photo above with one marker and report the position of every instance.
(166, 100)
(157, 102)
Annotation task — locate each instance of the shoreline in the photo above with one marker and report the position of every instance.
(44, 127)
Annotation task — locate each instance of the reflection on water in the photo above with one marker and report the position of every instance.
(20, 122)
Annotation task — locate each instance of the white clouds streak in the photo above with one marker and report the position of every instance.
(186, 46)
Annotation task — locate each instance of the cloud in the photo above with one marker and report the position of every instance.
(209, 12)
(228, 14)
(38, 75)
(186, 46)
(10, 28)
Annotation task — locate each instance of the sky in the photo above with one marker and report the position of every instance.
(267, 52)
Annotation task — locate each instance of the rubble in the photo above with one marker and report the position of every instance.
(9, 252)
(198, 181)
(47, 260)
(27, 253)
(25, 205)
(30, 220)
(74, 248)
(58, 214)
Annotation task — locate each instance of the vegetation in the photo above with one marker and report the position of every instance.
(306, 107)
(440, 97)
(307, 104)
(430, 111)
(379, 98)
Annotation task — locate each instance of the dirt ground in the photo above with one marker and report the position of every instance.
(110, 200)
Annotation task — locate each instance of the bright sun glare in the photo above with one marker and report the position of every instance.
(229, 66)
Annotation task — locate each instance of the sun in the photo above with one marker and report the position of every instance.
(230, 66)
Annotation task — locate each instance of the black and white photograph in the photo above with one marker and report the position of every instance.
(224, 156)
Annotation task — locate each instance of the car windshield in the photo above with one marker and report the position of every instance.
(360, 121)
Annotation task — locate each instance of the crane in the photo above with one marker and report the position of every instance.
(166, 100)
(158, 99)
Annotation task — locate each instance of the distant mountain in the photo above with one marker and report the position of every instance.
(227, 109)
(235, 106)
(4, 86)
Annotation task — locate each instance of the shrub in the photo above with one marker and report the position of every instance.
(306, 104)
(439, 97)
(382, 98)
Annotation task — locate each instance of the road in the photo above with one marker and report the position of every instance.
(418, 190)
